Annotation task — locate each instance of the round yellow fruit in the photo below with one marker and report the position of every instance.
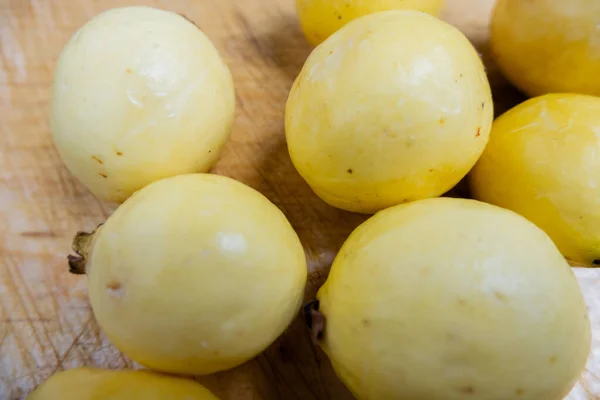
(545, 46)
(543, 161)
(139, 94)
(193, 274)
(320, 18)
(450, 299)
(377, 118)
(101, 384)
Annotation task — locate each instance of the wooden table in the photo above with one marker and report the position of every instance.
(45, 321)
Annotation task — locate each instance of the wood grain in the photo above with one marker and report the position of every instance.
(45, 321)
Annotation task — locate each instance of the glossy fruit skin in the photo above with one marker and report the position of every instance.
(377, 118)
(139, 94)
(103, 384)
(543, 162)
(196, 274)
(452, 299)
(546, 46)
(320, 18)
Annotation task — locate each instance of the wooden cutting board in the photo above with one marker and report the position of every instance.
(45, 321)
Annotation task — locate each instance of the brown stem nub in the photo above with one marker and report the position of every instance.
(314, 319)
(76, 264)
(82, 243)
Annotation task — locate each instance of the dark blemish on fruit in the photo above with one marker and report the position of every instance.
(99, 161)
(451, 337)
(349, 171)
(467, 390)
(389, 134)
(501, 296)
(461, 302)
(331, 52)
(210, 151)
(431, 170)
(115, 288)
(339, 17)
(596, 262)
(482, 104)
(519, 392)
(119, 153)
(478, 133)
(102, 174)
(461, 75)
(553, 360)
(366, 322)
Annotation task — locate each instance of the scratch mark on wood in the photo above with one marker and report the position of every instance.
(263, 363)
(275, 371)
(26, 357)
(125, 360)
(96, 334)
(27, 320)
(309, 386)
(3, 337)
(14, 274)
(249, 33)
(39, 234)
(61, 359)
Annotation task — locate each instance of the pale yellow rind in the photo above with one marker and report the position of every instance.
(377, 117)
(139, 94)
(543, 161)
(451, 299)
(320, 18)
(546, 46)
(101, 384)
(196, 274)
